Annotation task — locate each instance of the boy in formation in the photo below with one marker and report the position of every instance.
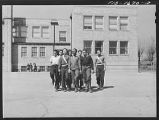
(76, 70)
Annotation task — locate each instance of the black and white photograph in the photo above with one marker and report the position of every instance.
(78, 61)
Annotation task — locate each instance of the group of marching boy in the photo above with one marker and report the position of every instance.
(73, 72)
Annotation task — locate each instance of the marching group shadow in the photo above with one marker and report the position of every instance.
(94, 89)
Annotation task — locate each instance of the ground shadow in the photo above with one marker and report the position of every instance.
(95, 89)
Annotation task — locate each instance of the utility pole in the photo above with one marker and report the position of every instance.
(71, 30)
(54, 23)
(11, 35)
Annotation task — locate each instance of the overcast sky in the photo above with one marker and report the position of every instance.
(146, 15)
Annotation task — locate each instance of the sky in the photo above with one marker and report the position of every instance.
(146, 26)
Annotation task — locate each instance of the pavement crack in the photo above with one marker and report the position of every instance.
(46, 109)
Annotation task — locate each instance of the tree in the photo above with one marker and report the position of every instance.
(151, 50)
(140, 53)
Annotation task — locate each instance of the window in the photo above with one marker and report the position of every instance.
(62, 36)
(42, 51)
(98, 46)
(36, 31)
(88, 46)
(48, 68)
(42, 68)
(123, 23)
(20, 31)
(87, 22)
(124, 47)
(112, 47)
(113, 23)
(23, 51)
(34, 52)
(23, 68)
(45, 32)
(99, 22)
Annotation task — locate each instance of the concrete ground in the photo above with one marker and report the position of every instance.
(126, 94)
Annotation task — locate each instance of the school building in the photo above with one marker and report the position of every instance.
(112, 29)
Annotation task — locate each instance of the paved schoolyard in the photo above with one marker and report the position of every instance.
(126, 94)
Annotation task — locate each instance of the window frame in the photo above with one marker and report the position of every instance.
(124, 24)
(36, 32)
(113, 47)
(63, 37)
(117, 20)
(23, 52)
(34, 52)
(44, 32)
(41, 69)
(95, 22)
(102, 49)
(40, 52)
(84, 22)
(87, 47)
(23, 70)
(127, 48)
(17, 31)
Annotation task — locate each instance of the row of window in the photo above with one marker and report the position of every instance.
(89, 23)
(115, 47)
(34, 51)
(37, 32)
(115, 23)
(40, 68)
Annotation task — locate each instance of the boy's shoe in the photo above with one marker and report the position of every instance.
(76, 90)
(65, 90)
(86, 90)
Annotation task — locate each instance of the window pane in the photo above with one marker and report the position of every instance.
(62, 35)
(123, 43)
(36, 31)
(112, 51)
(124, 47)
(123, 26)
(23, 51)
(48, 68)
(123, 51)
(42, 68)
(23, 68)
(112, 47)
(42, 51)
(123, 23)
(88, 45)
(113, 27)
(98, 46)
(34, 51)
(124, 20)
(45, 35)
(113, 20)
(113, 44)
(87, 22)
(98, 22)
(45, 31)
